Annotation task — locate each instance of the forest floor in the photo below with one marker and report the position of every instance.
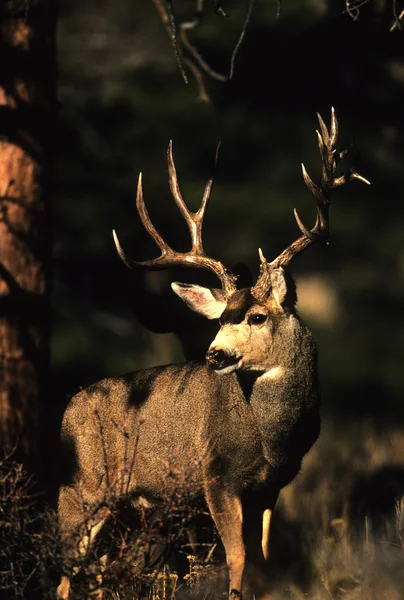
(337, 532)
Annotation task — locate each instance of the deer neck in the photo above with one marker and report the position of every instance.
(283, 396)
(291, 376)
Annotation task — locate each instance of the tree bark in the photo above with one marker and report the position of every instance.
(27, 120)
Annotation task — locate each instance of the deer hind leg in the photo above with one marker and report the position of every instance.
(63, 589)
(70, 520)
(227, 513)
(84, 548)
(98, 594)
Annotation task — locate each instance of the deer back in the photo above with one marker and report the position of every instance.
(150, 430)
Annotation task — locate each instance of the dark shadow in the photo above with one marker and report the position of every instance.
(165, 313)
(375, 497)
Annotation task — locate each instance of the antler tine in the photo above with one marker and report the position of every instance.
(175, 190)
(334, 126)
(147, 224)
(321, 194)
(208, 188)
(151, 230)
(196, 257)
(200, 213)
(194, 220)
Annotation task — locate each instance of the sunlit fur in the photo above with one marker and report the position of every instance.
(233, 440)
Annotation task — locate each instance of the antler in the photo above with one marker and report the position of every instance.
(320, 232)
(196, 257)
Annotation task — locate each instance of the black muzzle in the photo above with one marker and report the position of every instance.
(218, 359)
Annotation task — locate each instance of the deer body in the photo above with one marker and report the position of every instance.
(233, 430)
(211, 430)
(194, 420)
(237, 437)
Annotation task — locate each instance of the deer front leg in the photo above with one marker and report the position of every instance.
(257, 520)
(227, 513)
(266, 524)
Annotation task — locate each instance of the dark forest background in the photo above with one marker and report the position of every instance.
(338, 529)
(122, 98)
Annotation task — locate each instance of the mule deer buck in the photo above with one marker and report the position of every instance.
(236, 426)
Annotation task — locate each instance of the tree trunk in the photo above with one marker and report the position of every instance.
(27, 111)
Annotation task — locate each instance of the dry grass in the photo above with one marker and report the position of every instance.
(341, 521)
(338, 532)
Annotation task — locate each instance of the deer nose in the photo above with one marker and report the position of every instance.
(217, 358)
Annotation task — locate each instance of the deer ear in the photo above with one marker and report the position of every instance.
(206, 301)
(283, 289)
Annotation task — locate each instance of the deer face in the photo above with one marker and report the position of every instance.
(246, 339)
(250, 319)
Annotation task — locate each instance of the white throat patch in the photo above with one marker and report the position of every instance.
(274, 373)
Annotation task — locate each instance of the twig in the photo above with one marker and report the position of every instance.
(219, 8)
(397, 19)
(196, 63)
(104, 449)
(203, 94)
(174, 40)
(241, 38)
(196, 56)
(353, 11)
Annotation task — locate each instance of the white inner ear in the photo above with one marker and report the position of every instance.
(207, 302)
(279, 288)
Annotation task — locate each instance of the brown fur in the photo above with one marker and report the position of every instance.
(235, 440)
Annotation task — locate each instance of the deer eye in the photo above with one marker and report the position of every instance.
(256, 319)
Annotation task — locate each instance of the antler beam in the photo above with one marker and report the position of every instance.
(320, 231)
(196, 257)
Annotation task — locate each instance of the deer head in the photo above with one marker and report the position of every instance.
(250, 316)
